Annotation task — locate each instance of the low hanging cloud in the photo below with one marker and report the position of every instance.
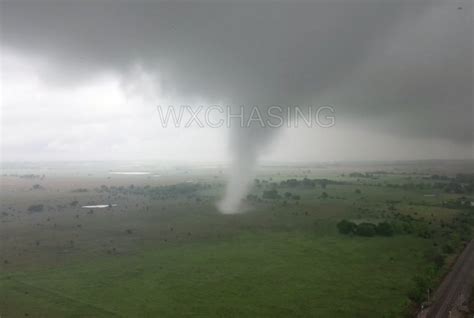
(393, 66)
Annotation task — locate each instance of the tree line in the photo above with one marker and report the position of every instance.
(365, 228)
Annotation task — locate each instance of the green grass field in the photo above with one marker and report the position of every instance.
(253, 275)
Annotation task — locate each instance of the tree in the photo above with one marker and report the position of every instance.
(420, 290)
(448, 249)
(346, 227)
(271, 194)
(366, 229)
(384, 229)
(324, 183)
(37, 187)
(252, 197)
(36, 208)
(439, 261)
(434, 256)
(324, 195)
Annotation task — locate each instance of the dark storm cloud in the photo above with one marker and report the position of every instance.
(266, 53)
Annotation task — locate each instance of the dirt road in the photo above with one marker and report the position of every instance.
(455, 287)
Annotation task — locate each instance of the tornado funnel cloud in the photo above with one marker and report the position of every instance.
(240, 178)
(247, 144)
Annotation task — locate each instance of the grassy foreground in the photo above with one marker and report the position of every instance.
(263, 274)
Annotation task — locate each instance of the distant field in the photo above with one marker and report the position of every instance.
(165, 251)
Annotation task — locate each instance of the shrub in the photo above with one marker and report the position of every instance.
(384, 229)
(420, 290)
(346, 227)
(448, 249)
(366, 229)
(434, 256)
(36, 208)
(271, 194)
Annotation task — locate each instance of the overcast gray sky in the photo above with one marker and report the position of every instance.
(82, 79)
